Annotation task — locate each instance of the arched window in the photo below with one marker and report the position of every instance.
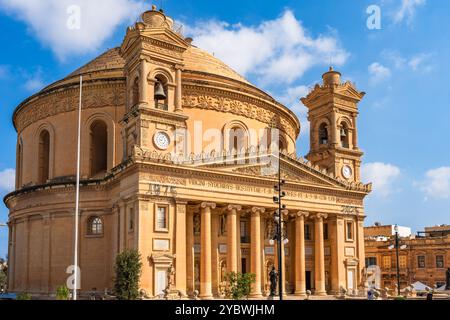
(98, 148)
(95, 226)
(323, 134)
(135, 92)
(237, 139)
(44, 156)
(344, 135)
(161, 93)
(282, 145)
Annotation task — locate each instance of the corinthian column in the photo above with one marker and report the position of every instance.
(319, 255)
(300, 281)
(205, 253)
(232, 264)
(255, 248)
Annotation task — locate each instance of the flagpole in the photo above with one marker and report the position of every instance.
(77, 197)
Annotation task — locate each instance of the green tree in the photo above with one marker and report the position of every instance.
(3, 275)
(128, 269)
(62, 293)
(240, 284)
(24, 296)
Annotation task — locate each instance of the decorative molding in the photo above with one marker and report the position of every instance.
(94, 96)
(224, 101)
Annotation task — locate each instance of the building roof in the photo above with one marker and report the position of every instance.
(195, 59)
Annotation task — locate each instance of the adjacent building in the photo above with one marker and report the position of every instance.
(180, 155)
(424, 257)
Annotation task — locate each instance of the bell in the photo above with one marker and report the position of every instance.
(159, 92)
(343, 133)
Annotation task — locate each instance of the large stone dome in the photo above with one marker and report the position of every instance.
(111, 63)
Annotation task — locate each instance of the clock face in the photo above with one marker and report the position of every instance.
(161, 140)
(347, 172)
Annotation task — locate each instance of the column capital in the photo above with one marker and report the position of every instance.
(205, 205)
(179, 67)
(232, 207)
(258, 210)
(301, 214)
(320, 216)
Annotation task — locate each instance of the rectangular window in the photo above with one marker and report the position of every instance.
(371, 261)
(131, 219)
(386, 262)
(349, 231)
(403, 262)
(440, 262)
(421, 262)
(162, 218)
(325, 231)
(308, 232)
(244, 232)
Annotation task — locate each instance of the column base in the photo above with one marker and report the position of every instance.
(206, 297)
(300, 293)
(322, 293)
(255, 295)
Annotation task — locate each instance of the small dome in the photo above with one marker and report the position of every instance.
(331, 78)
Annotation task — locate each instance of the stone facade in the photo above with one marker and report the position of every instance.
(150, 183)
(424, 258)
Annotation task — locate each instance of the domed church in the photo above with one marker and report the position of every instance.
(179, 159)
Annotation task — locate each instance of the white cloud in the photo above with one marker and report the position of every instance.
(407, 10)
(7, 180)
(378, 73)
(436, 184)
(48, 21)
(33, 81)
(291, 98)
(420, 62)
(277, 51)
(382, 176)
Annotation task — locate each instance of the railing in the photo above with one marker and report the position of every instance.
(162, 106)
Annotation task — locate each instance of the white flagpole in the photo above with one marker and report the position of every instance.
(77, 197)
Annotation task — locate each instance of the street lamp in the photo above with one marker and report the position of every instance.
(397, 247)
(278, 220)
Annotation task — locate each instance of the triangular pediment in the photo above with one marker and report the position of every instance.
(267, 167)
(167, 36)
(323, 94)
(164, 35)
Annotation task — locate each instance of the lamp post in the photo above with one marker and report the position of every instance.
(398, 259)
(278, 220)
(397, 254)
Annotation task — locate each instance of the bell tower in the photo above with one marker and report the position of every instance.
(153, 51)
(333, 110)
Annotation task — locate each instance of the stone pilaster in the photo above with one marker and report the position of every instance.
(255, 248)
(232, 241)
(143, 92)
(190, 252)
(300, 272)
(178, 93)
(205, 251)
(180, 247)
(319, 254)
(46, 253)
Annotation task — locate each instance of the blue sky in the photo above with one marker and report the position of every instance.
(283, 47)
